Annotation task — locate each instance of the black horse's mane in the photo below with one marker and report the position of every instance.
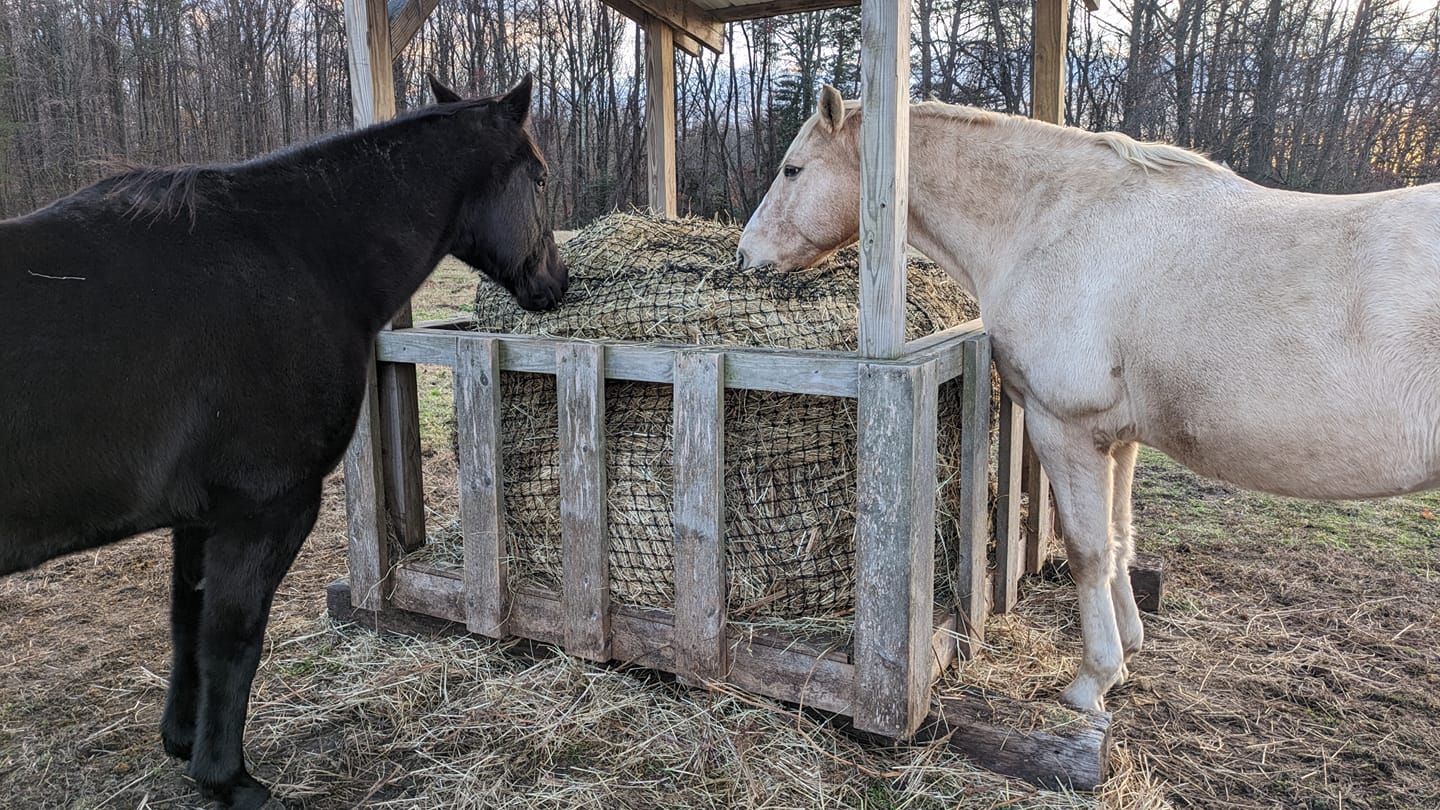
(172, 192)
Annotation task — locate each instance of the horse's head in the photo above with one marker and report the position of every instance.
(502, 229)
(813, 207)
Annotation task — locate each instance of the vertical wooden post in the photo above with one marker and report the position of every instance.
(895, 546)
(372, 90)
(660, 116)
(584, 535)
(1009, 548)
(884, 174)
(482, 494)
(1047, 103)
(971, 559)
(368, 552)
(699, 465)
(1047, 86)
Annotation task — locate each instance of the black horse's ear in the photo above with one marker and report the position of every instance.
(443, 94)
(516, 103)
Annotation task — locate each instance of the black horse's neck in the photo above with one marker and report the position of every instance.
(374, 208)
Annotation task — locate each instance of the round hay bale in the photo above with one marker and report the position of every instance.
(790, 459)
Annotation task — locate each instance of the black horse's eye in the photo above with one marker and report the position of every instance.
(791, 171)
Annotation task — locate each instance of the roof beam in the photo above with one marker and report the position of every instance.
(406, 17)
(686, 18)
(643, 18)
(755, 11)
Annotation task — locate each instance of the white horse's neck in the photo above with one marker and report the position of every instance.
(992, 193)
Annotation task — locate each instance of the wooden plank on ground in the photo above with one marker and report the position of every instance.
(1039, 741)
(894, 546)
(1009, 532)
(699, 469)
(585, 542)
(368, 547)
(884, 174)
(478, 427)
(969, 579)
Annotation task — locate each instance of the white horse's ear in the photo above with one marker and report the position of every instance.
(832, 108)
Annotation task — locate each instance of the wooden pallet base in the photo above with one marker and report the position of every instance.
(1037, 741)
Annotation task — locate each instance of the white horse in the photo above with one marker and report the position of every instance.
(1280, 341)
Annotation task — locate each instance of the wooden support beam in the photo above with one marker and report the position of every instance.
(368, 551)
(1047, 86)
(687, 18)
(372, 90)
(660, 117)
(884, 174)
(756, 11)
(407, 21)
(894, 546)
(1041, 742)
(1039, 514)
(699, 522)
(478, 428)
(1009, 532)
(683, 41)
(974, 518)
(585, 539)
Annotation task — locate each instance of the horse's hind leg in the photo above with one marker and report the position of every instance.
(1122, 546)
(244, 563)
(1081, 475)
(177, 726)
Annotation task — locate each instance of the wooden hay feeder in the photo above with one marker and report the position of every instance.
(900, 643)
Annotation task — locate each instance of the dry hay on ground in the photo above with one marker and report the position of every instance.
(790, 459)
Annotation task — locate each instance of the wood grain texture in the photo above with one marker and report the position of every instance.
(478, 428)
(699, 521)
(688, 18)
(1047, 86)
(894, 546)
(368, 552)
(407, 23)
(642, 18)
(584, 539)
(884, 174)
(733, 12)
(974, 510)
(1009, 531)
(660, 117)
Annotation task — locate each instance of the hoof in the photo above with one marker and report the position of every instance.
(1081, 697)
(243, 792)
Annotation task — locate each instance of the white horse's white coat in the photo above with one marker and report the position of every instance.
(1284, 342)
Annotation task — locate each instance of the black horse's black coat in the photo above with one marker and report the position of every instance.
(187, 348)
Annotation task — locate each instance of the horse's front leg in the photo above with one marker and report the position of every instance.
(244, 563)
(1122, 546)
(1081, 475)
(177, 726)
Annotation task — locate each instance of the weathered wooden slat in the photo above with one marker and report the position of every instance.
(406, 23)
(368, 551)
(688, 18)
(894, 546)
(660, 113)
(1039, 517)
(699, 521)
(585, 542)
(1009, 532)
(367, 24)
(482, 500)
(884, 174)
(974, 518)
(793, 371)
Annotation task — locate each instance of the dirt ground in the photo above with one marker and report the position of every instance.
(1296, 664)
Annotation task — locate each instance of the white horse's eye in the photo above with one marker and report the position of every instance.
(791, 171)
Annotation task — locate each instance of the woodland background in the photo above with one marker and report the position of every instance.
(1319, 95)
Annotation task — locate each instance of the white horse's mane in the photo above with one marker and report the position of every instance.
(1148, 156)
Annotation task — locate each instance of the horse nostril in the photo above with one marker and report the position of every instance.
(739, 260)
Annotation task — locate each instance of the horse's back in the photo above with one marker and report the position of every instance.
(1297, 348)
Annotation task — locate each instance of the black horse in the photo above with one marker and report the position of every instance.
(187, 348)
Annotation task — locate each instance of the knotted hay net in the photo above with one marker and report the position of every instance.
(790, 464)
